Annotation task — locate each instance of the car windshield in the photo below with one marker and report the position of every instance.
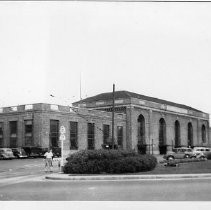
(189, 150)
(14, 149)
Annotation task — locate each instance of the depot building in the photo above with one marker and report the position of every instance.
(142, 123)
(38, 125)
(153, 124)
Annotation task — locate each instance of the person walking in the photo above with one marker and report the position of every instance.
(48, 161)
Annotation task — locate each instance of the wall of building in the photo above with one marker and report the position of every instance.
(41, 114)
(152, 118)
(20, 118)
(153, 112)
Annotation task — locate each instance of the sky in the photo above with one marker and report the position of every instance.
(161, 50)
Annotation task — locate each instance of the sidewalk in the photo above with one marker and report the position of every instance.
(62, 176)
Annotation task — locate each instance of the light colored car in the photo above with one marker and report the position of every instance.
(6, 153)
(201, 151)
(179, 153)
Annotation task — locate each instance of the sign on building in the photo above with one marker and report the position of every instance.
(62, 137)
(62, 130)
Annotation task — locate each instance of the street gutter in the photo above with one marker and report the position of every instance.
(126, 177)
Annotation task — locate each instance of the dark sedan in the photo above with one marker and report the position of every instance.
(19, 152)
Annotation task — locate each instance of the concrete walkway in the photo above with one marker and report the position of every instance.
(62, 176)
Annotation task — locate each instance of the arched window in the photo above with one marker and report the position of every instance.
(190, 134)
(162, 132)
(203, 133)
(177, 133)
(162, 136)
(141, 129)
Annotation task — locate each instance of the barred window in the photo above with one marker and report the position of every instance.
(1, 135)
(177, 133)
(91, 136)
(28, 124)
(190, 134)
(106, 130)
(141, 129)
(54, 133)
(13, 133)
(73, 135)
(162, 132)
(120, 136)
(203, 133)
(13, 127)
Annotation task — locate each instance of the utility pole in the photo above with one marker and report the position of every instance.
(113, 104)
(80, 87)
(80, 92)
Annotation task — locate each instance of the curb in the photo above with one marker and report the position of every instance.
(126, 177)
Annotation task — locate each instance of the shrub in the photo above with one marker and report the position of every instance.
(209, 156)
(124, 165)
(108, 161)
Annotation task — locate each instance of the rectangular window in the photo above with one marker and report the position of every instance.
(1, 135)
(120, 136)
(91, 136)
(28, 125)
(54, 133)
(13, 125)
(73, 135)
(106, 134)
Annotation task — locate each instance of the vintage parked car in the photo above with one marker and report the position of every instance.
(179, 153)
(56, 151)
(34, 152)
(6, 153)
(201, 152)
(19, 152)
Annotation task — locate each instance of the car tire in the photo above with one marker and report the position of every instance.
(186, 156)
(170, 158)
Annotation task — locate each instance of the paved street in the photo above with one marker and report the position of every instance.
(37, 188)
(24, 180)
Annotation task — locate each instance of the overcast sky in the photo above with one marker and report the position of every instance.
(161, 50)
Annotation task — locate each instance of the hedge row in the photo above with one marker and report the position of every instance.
(108, 161)
(209, 156)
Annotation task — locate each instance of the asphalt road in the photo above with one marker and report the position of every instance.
(39, 189)
(24, 180)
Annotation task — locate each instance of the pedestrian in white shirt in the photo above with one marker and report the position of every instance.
(48, 161)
